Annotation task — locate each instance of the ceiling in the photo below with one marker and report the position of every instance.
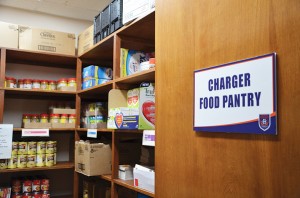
(76, 9)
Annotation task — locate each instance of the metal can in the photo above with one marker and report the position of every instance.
(35, 118)
(40, 160)
(54, 159)
(50, 146)
(21, 83)
(15, 146)
(22, 161)
(54, 146)
(45, 184)
(41, 147)
(26, 119)
(45, 194)
(12, 162)
(16, 195)
(31, 161)
(27, 186)
(27, 195)
(36, 195)
(27, 84)
(22, 148)
(36, 185)
(49, 159)
(16, 186)
(3, 164)
(54, 118)
(32, 148)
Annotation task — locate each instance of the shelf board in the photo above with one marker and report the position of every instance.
(129, 184)
(98, 130)
(143, 76)
(106, 177)
(128, 131)
(40, 58)
(32, 92)
(95, 91)
(58, 166)
(51, 130)
(62, 196)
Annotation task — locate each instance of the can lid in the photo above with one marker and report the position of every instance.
(44, 80)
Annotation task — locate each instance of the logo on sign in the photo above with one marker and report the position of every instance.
(264, 121)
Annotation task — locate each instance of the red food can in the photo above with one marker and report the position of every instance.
(16, 186)
(45, 194)
(16, 195)
(45, 184)
(36, 185)
(36, 195)
(27, 185)
(27, 195)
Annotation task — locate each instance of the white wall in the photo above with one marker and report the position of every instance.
(40, 20)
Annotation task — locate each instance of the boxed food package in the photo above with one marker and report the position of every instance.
(86, 40)
(94, 72)
(125, 172)
(92, 158)
(43, 40)
(130, 61)
(123, 118)
(144, 177)
(136, 8)
(147, 106)
(9, 35)
(93, 82)
(133, 98)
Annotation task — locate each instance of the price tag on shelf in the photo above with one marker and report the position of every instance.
(35, 132)
(92, 133)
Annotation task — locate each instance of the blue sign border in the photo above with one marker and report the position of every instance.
(249, 127)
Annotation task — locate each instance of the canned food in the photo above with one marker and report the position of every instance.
(36, 195)
(22, 148)
(26, 119)
(12, 162)
(16, 186)
(21, 83)
(31, 161)
(27, 185)
(50, 146)
(16, 195)
(41, 147)
(36, 185)
(27, 84)
(32, 148)
(45, 194)
(27, 195)
(15, 146)
(10, 82)
(40, 160)
(35, 118)
(54, 146)
(3, 164)
(45, 184)
(49, 159)
(22, 161)
(54, 160)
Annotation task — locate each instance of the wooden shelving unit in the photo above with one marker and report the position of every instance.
(51, 129)
(130, 184)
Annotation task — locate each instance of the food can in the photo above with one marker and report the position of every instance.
(12, 162)
(15, 146)
(50, 146)
(32, 148)
(27, 185)
(41, 147)
(45, 184)
(31, 161)
(45, 194)
(36, 195)
(21, 83)
(49, 159)
(22, 161)
(16, 195)
(22, 148)
(27, 195)
(3, 164)
(27, 84)
(16, 186)
(54, 158)
(40, 160)
(36, 185)
(35, 118)
(54, 146)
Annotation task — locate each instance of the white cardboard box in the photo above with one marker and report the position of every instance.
(9, 35)
(86, 40)
(125, 172)
(136, 8)
(144, 177)
(43, 40)
(149, 137)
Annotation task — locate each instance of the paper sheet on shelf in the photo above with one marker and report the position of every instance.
(6, 134)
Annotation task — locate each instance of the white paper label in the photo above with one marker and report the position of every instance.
(92, 133)
(35, 132)
(6, 134)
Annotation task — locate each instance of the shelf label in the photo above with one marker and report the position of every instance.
(35, 132)
(92, 133)
(6, 134)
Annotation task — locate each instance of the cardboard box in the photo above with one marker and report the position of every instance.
(147, 106)
(133, 98)
(67, 88)
(92, 158)
(96, 72)
(93, 82)
(35, 125)
(86, 40)
(125, 172)
(123, 118)
(62, 125)
(9, 35)
(148, 138)
(144, 177)
(43, 40)
(136, 8)
(63, 111)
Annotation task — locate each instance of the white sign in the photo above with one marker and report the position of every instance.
(6, 134)
(92, 133)
(35, 132)
(237, 97)
(148, 138)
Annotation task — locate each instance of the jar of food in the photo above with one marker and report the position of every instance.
(10, 82)
(62, 83)
(64, 118)
(21, 83)
(35, 118)
(71, 82)
(44, 85)
(72, 118)
(26, 119)
(44, 118)
(27, 84)
(36, 84)
(52, 85)
(54, 118)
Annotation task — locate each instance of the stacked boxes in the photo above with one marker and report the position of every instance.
(85, 40)
(116, 7)
(136, 8)
(8, 35)
(94, 75)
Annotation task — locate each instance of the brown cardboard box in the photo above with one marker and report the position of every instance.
(8, 35)
(37, 125)
(62, 125)
(86, 40)
(42, 40)
(63, 111)
(92, 158)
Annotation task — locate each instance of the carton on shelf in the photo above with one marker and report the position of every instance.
(123, 118)
(125, 172)
(96, 72)
(63, 111)
(37, 125)
(62, 125)
(92, 158)
(9, 35)
(93, 82)
(144, 177)
(147, 106)
(43, 40)
(136, 8)
(86, 40)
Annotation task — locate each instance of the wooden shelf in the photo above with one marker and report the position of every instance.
(98, 130)
(42, 93)
(106, 177)
(128, 131)
(96, 91)
(62, 196)
(143, 76)
(58, 166)
(51, 130)
(129, 184)
(40, 58)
